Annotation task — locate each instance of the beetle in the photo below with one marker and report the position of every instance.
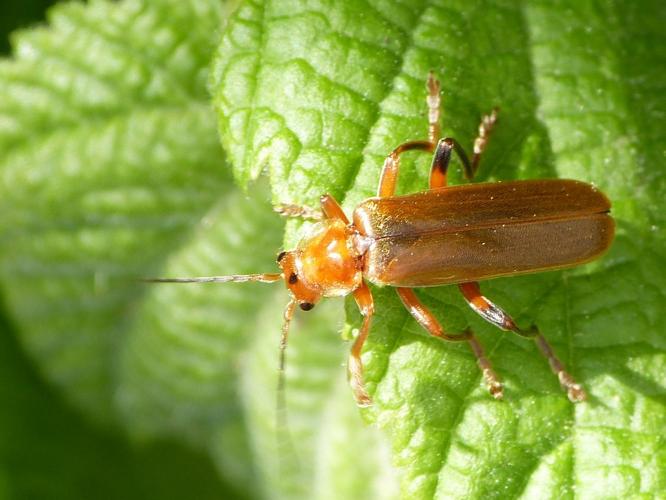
(447, 235)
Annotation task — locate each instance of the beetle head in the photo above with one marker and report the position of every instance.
(325, 264)
(304, 295)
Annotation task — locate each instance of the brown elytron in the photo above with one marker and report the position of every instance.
(480, 231)
(447, 235)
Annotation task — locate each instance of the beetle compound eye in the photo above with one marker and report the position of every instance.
(306, 306)
(293, 278)
(281, 256)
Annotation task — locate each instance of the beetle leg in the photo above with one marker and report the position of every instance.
(426, 319)
(289, 210)
(496, 316)
(389, 175)
(481, 141)
(332, 209)
(363, 298)
(440, 162)
(433, 101)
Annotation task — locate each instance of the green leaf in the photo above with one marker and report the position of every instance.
(108, 160)
(319, 93)
(19, 13)
(49, 451)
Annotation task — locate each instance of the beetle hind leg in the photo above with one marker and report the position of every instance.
(442, 148)
(575, 391)
(426, 319)
(496, 316)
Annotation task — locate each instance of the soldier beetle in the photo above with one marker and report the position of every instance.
(446, 235)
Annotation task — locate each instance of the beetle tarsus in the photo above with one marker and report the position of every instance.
(575, 391)
(291, 210)
(491, 378)
(361, 396)
(495, 387)
(495, 315)
(481, 141)
(434, 108)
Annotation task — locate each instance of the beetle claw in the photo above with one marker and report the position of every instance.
(495, 387)
(575, 391)
(355, 370)
(363, 399)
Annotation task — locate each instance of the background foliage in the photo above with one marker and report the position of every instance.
(111, 169)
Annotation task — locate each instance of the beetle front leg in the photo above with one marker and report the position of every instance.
(363, 298)
(426, 319)
(329, 209)
(332, 209)
(496, 316)
(290, 210)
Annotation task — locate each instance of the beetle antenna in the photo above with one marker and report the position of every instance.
(285, 445)
(288, 314)
(237, 278)
(281, 400)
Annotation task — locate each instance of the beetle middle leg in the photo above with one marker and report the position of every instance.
(426, 319)
(389, 175)
(434, 108)
(442, 149)
(442, 157)
(481, 141)
(496, 316)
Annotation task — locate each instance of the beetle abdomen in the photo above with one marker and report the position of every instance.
(480, 231)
